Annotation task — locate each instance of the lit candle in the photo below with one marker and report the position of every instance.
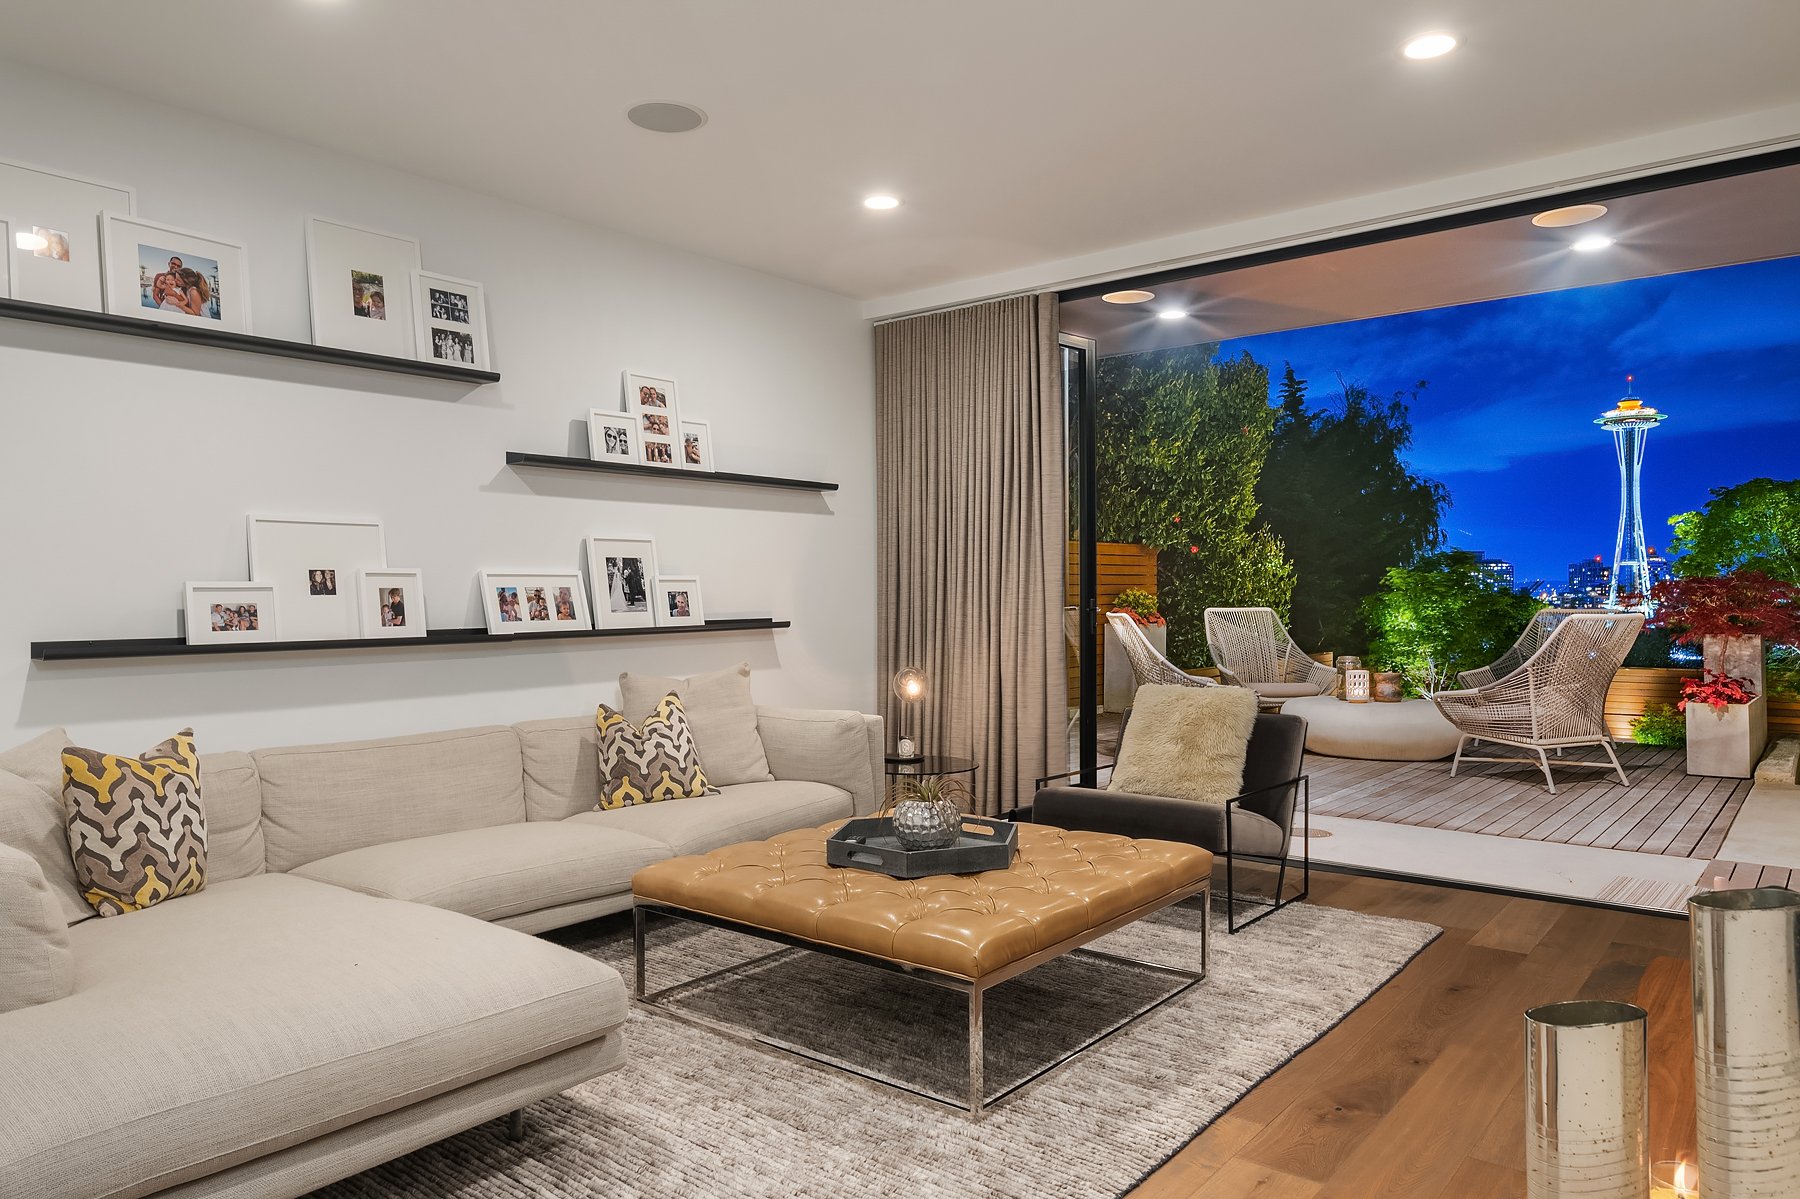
(1674, 1180)
(1356, 686)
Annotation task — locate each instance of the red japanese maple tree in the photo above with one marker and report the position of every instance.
(1744, 603)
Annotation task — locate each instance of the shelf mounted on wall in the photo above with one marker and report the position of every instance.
(557, 462)
(243, 343)
(176, 647)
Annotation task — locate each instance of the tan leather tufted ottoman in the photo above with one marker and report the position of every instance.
(966, 932)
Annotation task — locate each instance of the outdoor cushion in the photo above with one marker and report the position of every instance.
(31, 817)
(721, 712)
(1283, 690)
(137, 832)
(319, 800)
(35, 963)
(746, 812)
(264, 1012)
(492, 873)
(1186, 743)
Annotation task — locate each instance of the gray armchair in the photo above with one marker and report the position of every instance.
(1258, 824)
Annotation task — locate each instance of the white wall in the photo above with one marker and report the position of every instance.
(127, 467)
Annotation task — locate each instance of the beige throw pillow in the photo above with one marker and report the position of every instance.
(31, 817)
(1186, 743)
(36, 964)
(719, 711)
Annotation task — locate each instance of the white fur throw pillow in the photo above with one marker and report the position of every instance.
(1186, 743)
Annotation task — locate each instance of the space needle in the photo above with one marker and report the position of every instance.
(1630, 423)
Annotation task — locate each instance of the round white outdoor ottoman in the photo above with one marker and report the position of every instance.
(1412, 730)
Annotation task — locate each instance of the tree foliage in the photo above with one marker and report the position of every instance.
(1754, 525)
(1442, 615)
(1339, 494)
(1180, 442)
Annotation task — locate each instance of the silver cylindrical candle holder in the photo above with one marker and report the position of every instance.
(1587, 1101)
(1746, 957)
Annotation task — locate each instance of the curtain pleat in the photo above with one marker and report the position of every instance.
(971, 525)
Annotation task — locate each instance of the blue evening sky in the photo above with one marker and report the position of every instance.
(1506, 421)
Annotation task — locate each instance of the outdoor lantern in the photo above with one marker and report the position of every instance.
(909, 686)
(1356, 686)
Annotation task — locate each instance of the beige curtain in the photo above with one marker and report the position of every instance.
(971, 528)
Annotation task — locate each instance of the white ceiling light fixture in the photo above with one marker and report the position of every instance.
(1132, 296)
(1172, 314)
(1429, 45)
(881, 203)
(1574, 214)
(665, 116)
(1592, 243)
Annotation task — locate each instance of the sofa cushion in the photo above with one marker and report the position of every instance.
(562, 766)
(35, 963)
(746, 812)
(835, 747)
(1186, 743)
(492, 873)
(722, 714)
(650, 763)
(298, 1008)
(31, 817)
(231, 795)
(137, 832)
(319, 800)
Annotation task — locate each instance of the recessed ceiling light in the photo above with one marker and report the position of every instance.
(1134, 296)
(1429, 45)
(1574, 214)
(881, 203)
(1172, 314)
(662, 116)
(31, 241)
(1592, 242)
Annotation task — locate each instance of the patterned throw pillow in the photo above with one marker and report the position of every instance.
(655, 762)
(137, 833)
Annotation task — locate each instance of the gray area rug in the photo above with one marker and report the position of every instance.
(696, 1115)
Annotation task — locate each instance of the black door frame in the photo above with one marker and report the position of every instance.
(1087, 511)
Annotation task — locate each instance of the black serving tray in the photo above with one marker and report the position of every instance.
(868, 843)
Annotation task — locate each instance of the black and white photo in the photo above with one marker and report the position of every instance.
(448, 345)
(449, 306)
(452, 317)
(621, 577)
(612, 437)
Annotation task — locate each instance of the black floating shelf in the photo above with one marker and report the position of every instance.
(245, 343)
(175, 647)
(555, 462)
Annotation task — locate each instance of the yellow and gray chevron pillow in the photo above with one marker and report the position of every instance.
(655, 762)
(137, 833)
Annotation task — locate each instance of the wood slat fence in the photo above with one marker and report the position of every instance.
(1120, 566)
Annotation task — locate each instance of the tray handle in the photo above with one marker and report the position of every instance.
(866, 858)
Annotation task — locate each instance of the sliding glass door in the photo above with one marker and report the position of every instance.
(1081, 612)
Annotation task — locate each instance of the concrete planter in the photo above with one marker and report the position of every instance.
(1727, 743)
(1118, 684)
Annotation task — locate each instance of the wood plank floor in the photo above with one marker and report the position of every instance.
(1664, 810)
(1419, 1094)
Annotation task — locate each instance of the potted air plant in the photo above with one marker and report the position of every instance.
(1731, 616)
(1118, 684)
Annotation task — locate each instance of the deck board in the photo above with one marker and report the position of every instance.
(1664, 811)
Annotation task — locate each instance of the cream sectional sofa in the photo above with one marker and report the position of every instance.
(342, 991)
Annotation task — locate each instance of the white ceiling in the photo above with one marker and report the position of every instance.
(1742, 218)
(1017, 131)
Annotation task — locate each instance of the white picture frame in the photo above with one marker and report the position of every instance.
(359, 287)
(451, 320)
(652, 401)
(215, 613)
(678, 602)
(38, 202)
(139, 262)
(621, 577)
(6, 242)
(612, 437)
(519, 603)
(313, 563)
(390, 603)
(696, 451)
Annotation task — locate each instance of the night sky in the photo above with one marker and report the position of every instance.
(1506, 421)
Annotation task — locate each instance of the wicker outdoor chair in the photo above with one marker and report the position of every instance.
(1251, 648)
(1542, 625)
(1554, 699)
(1148, 666)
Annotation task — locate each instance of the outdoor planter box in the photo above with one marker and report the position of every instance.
(1727, 743)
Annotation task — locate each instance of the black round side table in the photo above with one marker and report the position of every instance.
(930, 766)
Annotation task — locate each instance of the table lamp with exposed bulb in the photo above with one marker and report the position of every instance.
(909, 686)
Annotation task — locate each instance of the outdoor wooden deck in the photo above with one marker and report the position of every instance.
(1664, 811)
